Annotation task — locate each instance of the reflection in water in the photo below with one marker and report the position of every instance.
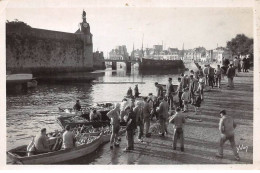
(28, 112)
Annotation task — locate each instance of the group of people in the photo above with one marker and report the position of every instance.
(93, 116)
(130, 92)
(138, 114)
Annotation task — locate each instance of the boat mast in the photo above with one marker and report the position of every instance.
(142, 48)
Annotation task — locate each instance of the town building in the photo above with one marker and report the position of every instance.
(119, 53)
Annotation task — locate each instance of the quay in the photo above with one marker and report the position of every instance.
(201, 139)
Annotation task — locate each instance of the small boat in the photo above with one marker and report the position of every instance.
(20, 155)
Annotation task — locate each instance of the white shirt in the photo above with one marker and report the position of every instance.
(123, 105)
(68, 137)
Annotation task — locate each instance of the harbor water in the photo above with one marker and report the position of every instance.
(28, 112)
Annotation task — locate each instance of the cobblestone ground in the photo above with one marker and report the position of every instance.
(201, 138)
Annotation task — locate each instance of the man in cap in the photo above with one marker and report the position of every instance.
(193, 87)
(130, 128)
(211, 76)
(230, 75)
(42, 142)
(68, 138)
(136, 91)
(138, 111)
(178, 120)
(169, 92)
(159, 89)
(147, 115)
(114, 115)
(227, 127)
(206, 73)
(163, 115)
(129, 92)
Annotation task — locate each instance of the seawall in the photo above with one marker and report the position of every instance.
(40, 51)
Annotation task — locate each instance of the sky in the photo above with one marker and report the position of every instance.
(193, 27)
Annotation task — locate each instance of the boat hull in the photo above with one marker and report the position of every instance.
(151, 64)
(57, 156)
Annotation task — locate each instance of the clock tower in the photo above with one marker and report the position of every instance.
(84, 27)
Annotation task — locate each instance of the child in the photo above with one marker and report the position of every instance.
(197, 102)
(185, 99)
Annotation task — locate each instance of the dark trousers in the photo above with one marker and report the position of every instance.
(218, 80)
(170, 100)
(211, 81)
(222, 141)
(140, 127)
(180, 101)
(130, 139)
(178, 134)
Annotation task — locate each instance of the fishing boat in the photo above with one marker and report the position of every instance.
(20, 155)
(152, 64)
(69, 120)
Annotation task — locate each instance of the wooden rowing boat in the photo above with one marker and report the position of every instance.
(19, 154)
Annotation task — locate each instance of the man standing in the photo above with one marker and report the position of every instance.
(129, 92)
(226, 128)
(159, 90)
(198, 73)
(169, 92)
(68, 138)
(206, 73)
(147, 115)
(41, 142)
(236, 64)
(136, 91)
(218, 73)
(138, 111)
(130, 128)
(230, 75)
(193, 87)
(115, 123)
(163, 115)
(185, 81)
(201, 86)
(179, 92)
(123, 105)
(211, 76)
(178, 120)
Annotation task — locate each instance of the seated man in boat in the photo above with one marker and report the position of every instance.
(42, 142)
(68, 138)
(77, 107)
(95, 115)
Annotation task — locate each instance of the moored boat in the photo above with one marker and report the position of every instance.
(20, 155)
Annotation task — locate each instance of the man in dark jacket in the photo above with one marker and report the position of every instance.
(159, 90)
(170, 92)
(130, 128)
(230, 75)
